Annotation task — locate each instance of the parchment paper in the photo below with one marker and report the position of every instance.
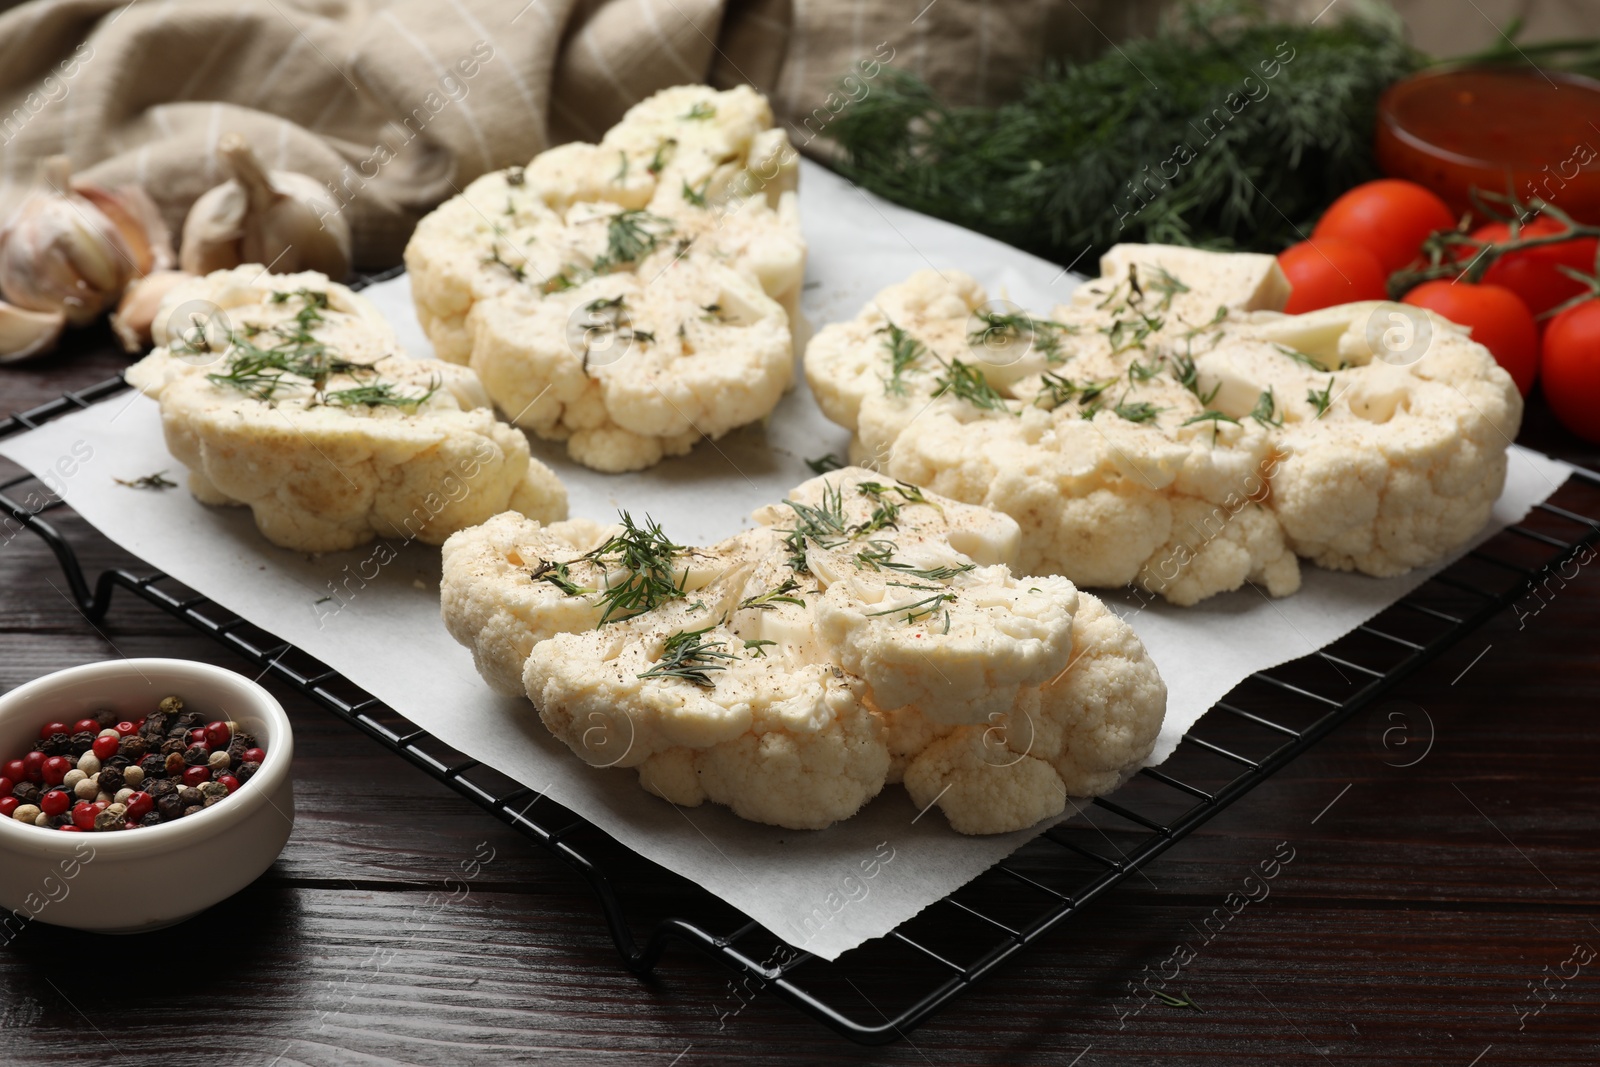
(824, 891)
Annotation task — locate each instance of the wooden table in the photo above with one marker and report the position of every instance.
(1422, 905)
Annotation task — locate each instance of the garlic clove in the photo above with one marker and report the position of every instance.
(25, 334)
(60, 253)
(139, 221)
(136, 312)
(283, 219)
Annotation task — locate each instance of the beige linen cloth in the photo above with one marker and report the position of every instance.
(397, 105)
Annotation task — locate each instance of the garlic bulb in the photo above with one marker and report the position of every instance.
(138, 220)
(285, 220)
(61, 253)
(136, 314)
(25, 334)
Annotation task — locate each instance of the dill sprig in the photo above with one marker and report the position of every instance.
(375, 394)
(757, 647)
(1143, 372)
(919, 609)
(1166, 286)
(696, 197)
(824, 464)
(645, 556)
(823, 524)
(158, 480)
(685, 656)
(1041, 171)
(698, 112)
(879, 555)
(494, 258)
(1321, 400)
(1216, 320)
(629, 238)
(771, 598)
(663, 155)
(904, 351)
(1139, 411)
(1300, 357)
(1186, 374)
(1266, 411)
(559, 575)
(298, 359)
(1127, 334)
(1003, 328)
(968, 383)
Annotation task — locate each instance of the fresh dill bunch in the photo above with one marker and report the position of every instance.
(684, 655)
(630, 237)
(968, 383)
(1040, 172)
(904, 351)
(645, 556)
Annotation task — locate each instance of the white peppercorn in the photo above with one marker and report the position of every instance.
(70, 782)
(219, 761)
(133, 776)
(89, 763)
(27, 813)
(43, 820)
(123, 794)
(87, 788)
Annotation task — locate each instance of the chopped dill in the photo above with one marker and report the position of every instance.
(773, 597)
(1166, 285)
(158, 480)
(699, 112)
(1188, 375)
(1216, 320)
(1140, 411)
(824, 464)
(629, 238)
(1143, 372)
(968, 383)
(685, 656)
(559, 575)
(1323, 400)
(1266, 411)
(663, 155)
(694, 196)
(1000, 329)
(516, 270)
(879, 555)
(377, 394)
(1300, 357)
(904, 351)
(823, 524)
(1127, 334)
(918, 609)
(645, 555)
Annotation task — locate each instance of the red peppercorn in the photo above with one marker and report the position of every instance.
(101, 805)
(218, 735)
(194, 777)
(197, 736)
(6, 786)
(69, 828)
(83, 814)
(85, 726)
(33, 766)
(55, 802)
(15, 770)
(8, 805)
(230, 781)
(56, 768)
(126, 727)
(130, 825)
(253, 755)
(139, 805)
(49, 729)
(106, 747)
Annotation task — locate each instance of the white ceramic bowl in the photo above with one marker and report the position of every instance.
(132, 880)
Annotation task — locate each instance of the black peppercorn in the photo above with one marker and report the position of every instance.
(170, 806)
(82, 742)
(154, 726)
(236, 749)
(249, 741)
(115, 761)
(190, 795)
(161, 787)
(173, 744)
(111, 779)
(106, 717)
(213, 790)
(191, 809)
(26, 792)
(56, 745)
(151, 818)
(196, 755)
(153, 766)
(246, 771)
(132, 749)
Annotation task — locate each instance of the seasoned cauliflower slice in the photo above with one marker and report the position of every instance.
(632, 296)
(1168, 429)
(794, 669)
(289, 395)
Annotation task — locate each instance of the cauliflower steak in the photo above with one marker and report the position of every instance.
(287, 393)
(1170, 429)
(632, 296)
(862, 633)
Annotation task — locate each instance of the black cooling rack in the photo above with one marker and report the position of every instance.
(1268, 720)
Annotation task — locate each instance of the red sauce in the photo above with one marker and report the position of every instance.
(1453, 130)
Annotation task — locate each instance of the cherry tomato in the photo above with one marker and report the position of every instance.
(1329, 271)
(1532, 274)
(1498, 318)
(1388, 217)
(1571, 368)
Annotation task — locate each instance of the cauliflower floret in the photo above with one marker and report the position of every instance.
(631, 296)
(1168, 429)
(859, 633)
(303, 409)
